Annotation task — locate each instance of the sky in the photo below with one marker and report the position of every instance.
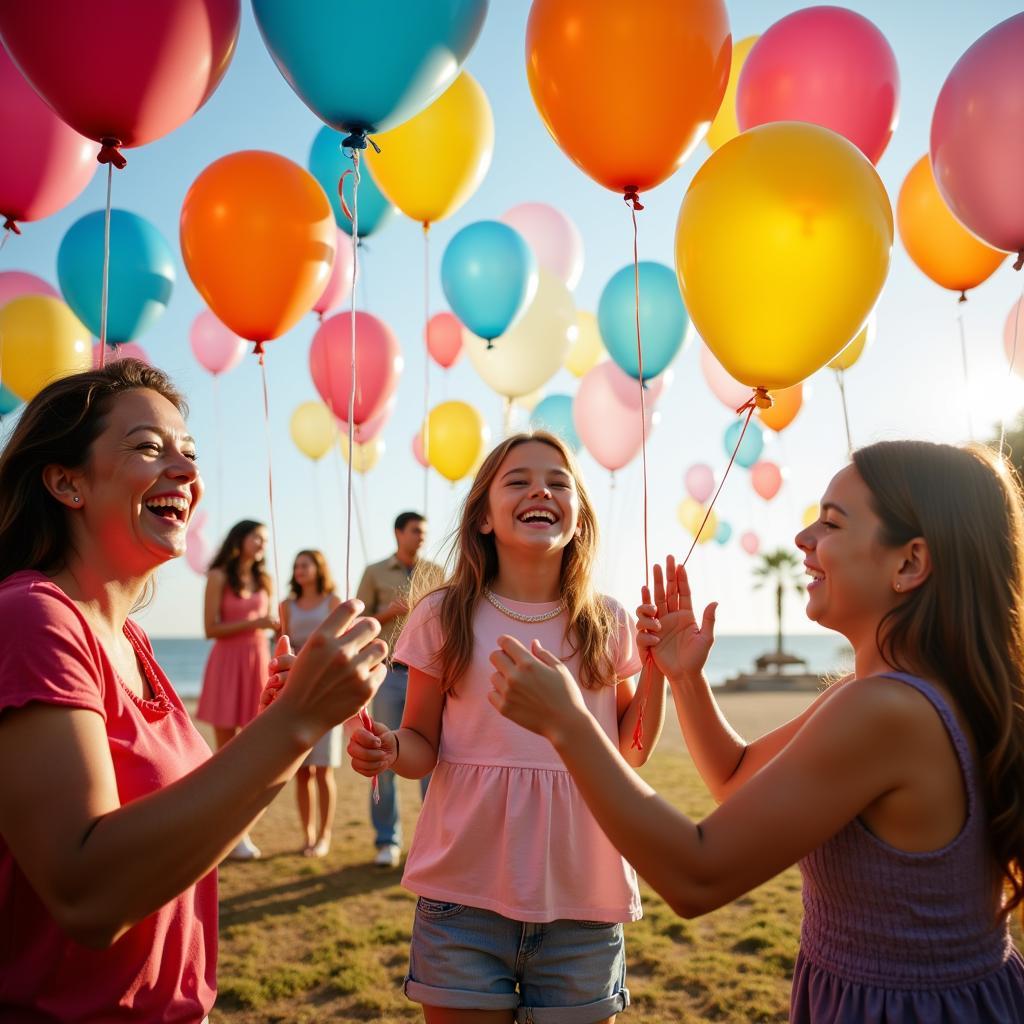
(909, 384)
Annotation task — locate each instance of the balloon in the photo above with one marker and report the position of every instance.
(123, 350)
(46, 164)
(16, 283)
(258, 239)
(826, 66)
(9, 401)
(691, 516)
(977, 138)
(627, 114)
(141, 275)
(610, 430)
(785, 405)
(588, 348)
(339, 284)
(40, 340)
(530, 400)
(417, 449)
(162, 61)
(856, 348)
(367, 455)
(728, 391)
(534, 348)
(723, 533)
(816, 230)
(750, 542)
(368, 67)
(766, 479)
(556, 242)
(197, 550)
(554, 414)
(444, 339)
(431, 165)
(750, 449)
(662, 318)
(1013, 337)
(312, 429)
(489, 276)
(367, 431)
(213, 345)
(700, 482)
(378, 364)
(627, 389)
(810, 515)
(327, 163)
(943, 249)
(457, 438)
(725, 126)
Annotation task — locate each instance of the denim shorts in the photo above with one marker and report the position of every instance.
(559, 972)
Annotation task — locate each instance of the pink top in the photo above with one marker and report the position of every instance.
(164, 968)
(503, 826)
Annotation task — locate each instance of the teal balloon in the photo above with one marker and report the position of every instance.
(364, 66)
(752, 446)
(663, 319)
(327, 163)
(723, 533)
(489, 276)
(140, 280)
(554, 414)
(9, 401)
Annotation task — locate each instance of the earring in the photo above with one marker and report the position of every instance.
(898, 587)
(76, 499)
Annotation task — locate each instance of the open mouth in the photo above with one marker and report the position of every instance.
(817, 576)
(538, 516)
(169, 508)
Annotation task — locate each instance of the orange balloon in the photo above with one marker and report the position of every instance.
(628, 89)
(785, 405)
(258, 239)
(935, 240)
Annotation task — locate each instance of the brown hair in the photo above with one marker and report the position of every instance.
(324, 580)
(964, 627)
(230, 554)
(473, 563)
(58, 427)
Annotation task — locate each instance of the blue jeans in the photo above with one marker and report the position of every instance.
(388, 706)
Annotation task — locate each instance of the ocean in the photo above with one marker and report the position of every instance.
(183, 658)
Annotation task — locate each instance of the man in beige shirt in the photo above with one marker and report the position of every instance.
(384, 590)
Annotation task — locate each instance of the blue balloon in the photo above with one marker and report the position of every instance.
(367, 66)
(723, 533)
(663, 318)
(327, 163)
(489, 276)
(554, 413)
(753, 442)
(140, 279)
(9, 401)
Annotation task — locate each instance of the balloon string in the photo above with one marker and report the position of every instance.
(9, 227)
(218, 426)
(841, 381)
(1018, 313)
(359, 522)
(426, 366)
(967, 379)
(106, 270)
(270, 476)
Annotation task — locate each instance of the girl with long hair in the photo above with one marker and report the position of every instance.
(899, 791)
(522, 898)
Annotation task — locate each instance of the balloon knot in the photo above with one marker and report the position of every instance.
(631, 194)
(12, 225)
(760, 399)
(355, 139)
(1019, 264)
(110, 153)
(257, 350)
(490, 344)
(963, 297)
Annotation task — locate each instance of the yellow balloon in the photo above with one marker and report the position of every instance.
(430, 165)
(40, 341)
(856, 348)
(811, 514)
(458, 437)
(691, 515)
(368, 454)
(533, 349)
(588, 348)
(725, 126)
(783, 244)
(313, 429)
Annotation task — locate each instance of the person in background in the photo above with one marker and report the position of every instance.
(313, 599)
(385, 590)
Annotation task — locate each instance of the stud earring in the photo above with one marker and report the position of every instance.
(898, 587)
(76, 499)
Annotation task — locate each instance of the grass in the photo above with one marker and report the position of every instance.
(304, 941)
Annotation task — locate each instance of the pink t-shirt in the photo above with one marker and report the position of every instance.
(164, 968)
(503, 826)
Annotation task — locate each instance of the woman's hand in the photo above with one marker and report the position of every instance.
(270, 622)
(280, 666)
(667, 627)
(373, 752)
(534, 689)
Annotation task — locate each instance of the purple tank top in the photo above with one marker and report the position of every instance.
(897, 937)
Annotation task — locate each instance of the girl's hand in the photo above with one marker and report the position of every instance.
(373, 752)
(280, 666)
(534, 689)
(667, 627)
(267, 622)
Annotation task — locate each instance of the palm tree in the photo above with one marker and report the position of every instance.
(781, 567)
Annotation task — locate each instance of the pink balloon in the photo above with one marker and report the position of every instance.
(726, 389)
(609, 428)
(46, 164)
(197, 550)
(378, 364)
(444, 339)
(627, 388)
(827, 66)
(766, 479)
(339, 285)
(700, 482)
(1013, 337)
(367, 431)
(977, 140)
(126, 350)
(554, 239)
(16, 283)
(216, 347)
(417, 450)
(750, 542)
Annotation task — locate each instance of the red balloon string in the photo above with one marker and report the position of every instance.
(341, 195)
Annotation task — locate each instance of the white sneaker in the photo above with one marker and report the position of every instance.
(245, 849)
(388, 856)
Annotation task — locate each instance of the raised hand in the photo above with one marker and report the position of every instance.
(667, 626)
(373, 752)
(280, 666)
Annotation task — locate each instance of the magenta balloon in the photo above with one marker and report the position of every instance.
(45, 164)
(827, 66)
(750, 542)
(378, 365)
(126, 350)
(16, 283)
(729, 391)
(554, 239)
(216, 347)
(1013, 337)
(609, 429)
(372, 427)
(444, 339)
(977, 139)
(339, 285)
(700, 482)
(417, 450)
